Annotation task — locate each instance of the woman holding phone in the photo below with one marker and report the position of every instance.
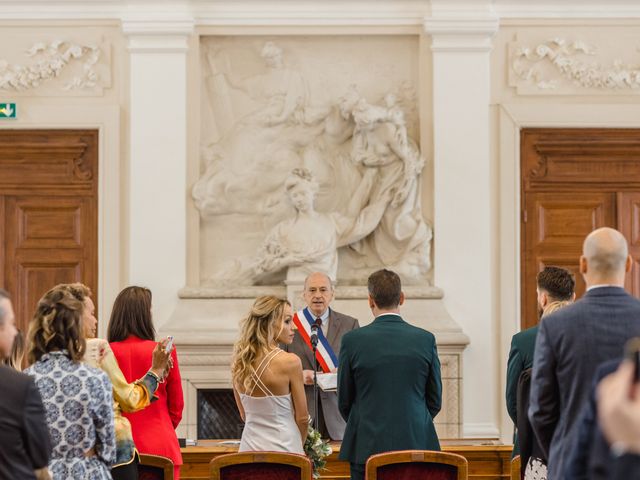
(127, 396)
(132, 338)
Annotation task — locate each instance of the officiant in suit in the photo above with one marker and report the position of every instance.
(389, 384)
(318, 294)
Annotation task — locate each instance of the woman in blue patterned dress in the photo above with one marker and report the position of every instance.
(77, 398)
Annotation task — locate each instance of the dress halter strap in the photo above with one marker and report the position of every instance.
(257, 373)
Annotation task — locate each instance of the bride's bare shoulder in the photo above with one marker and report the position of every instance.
(289, 361)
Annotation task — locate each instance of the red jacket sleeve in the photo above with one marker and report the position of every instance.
(175, 399)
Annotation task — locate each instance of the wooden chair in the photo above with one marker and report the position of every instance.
(515, 468)
(154, 467)
(416, 465)
(261, 466)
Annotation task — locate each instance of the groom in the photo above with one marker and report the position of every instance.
(389, 386)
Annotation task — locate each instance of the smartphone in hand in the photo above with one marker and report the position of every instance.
(169, 345)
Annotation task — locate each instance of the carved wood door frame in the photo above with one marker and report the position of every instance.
(48, 213)
(573, 181)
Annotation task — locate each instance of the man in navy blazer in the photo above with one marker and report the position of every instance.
(573, 341)
(389, 385)
(24, 435)
(619, 418)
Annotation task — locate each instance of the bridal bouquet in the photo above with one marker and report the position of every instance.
(317, 450)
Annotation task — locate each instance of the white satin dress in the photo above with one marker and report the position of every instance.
(269, 421)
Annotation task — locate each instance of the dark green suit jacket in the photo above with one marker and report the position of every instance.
(389, 389)
(520, 358)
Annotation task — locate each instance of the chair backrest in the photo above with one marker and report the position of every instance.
(261, 466)
(154, 467)
(515, 468)
(416, 465)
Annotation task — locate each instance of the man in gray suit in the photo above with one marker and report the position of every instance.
(573, 341)
(318, 294)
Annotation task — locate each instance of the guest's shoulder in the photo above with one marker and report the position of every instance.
(9, 376)
(346, 319)
(92, 372)
(525, 335)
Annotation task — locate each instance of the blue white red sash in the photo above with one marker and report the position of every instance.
(324, 353)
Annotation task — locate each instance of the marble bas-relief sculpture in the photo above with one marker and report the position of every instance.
(48, 62)
(309, 241)
(302, 171)
(354, 158)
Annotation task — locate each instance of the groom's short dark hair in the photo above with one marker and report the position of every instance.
(385, 288)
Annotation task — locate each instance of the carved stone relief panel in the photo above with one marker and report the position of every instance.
(64, 62)
(575, 61)
(310, 159)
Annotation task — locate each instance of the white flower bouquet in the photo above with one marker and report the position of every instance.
(317, 450)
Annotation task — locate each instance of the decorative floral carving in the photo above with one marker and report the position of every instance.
(565, 57)
(50, 60)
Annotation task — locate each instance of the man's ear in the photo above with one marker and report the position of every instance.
(401, 299)
(543, 299)
(372, 304)
(628, 264)
(583, 264)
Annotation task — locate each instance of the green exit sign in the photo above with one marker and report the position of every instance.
(8, 110)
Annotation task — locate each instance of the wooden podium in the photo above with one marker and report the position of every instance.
(488, 460)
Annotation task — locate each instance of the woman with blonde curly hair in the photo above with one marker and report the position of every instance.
(267, 382)
(77, 398)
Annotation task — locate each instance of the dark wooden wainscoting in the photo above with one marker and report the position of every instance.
(574, 181)
(48, 213)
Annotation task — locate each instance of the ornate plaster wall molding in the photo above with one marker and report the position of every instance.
(549, 64)
(49, 61)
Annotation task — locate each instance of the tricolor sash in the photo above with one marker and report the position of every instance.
(324, 353)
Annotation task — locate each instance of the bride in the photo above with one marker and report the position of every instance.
(267, 381)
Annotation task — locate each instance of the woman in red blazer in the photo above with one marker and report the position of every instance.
(132, 338)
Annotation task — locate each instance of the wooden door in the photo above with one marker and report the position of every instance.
(574, 181)
(629, 225)
(559, 223)
(48, 213)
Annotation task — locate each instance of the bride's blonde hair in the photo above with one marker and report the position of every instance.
(258, 332)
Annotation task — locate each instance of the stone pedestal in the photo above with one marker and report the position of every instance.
(205, 327)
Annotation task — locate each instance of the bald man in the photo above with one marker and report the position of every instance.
(318, 294)
(573, 341)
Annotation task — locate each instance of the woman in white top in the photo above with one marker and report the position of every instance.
(267, 381)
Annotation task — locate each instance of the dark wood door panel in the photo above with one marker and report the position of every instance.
(629, 225)
(48, 211)
(574, 181)
(563, 220)
(43, 222)
(33, 279)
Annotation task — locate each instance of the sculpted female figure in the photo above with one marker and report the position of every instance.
(380, 143)
(309, 241)
(239, 176)
(267, 381)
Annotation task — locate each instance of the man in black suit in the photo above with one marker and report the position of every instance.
(389, 384)
(573, 341)
(318, 294)
(24, 436)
